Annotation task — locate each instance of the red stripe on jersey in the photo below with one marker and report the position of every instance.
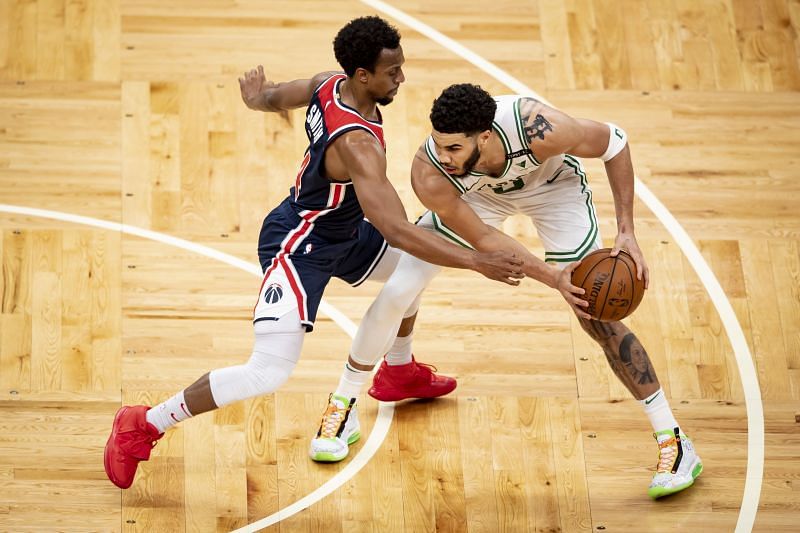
(336, 195)
(339, 116)
(298, 182)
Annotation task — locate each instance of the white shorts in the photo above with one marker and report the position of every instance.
(561, 210)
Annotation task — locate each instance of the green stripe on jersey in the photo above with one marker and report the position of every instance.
(584, 247)
(447, 232)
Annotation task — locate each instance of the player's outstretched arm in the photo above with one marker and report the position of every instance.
(261, 94)
(365, 162)
(609, 143)
(550, 132)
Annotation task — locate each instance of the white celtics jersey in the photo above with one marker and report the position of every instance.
(522, 171)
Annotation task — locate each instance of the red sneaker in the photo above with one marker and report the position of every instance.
(132, 438)
(413, 380)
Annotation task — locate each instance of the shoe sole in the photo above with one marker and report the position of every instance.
(105, 450)
(660, 492)
(396, 398)
(327, 457)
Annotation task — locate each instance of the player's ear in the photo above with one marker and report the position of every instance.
(361, 74)
(483, 137)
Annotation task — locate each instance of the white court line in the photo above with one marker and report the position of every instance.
(741, 351)
(383, 420)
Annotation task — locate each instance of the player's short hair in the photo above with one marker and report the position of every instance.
(359, 43)
(463, 108)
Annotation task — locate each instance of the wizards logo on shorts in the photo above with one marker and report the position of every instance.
(273, 293)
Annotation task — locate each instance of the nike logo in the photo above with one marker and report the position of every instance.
(648, 402)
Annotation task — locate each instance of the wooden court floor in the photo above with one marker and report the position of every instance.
(128, 113)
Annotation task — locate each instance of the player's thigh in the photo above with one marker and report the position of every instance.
(370, 257)
(564, 216)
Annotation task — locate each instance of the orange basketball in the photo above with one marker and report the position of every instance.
(612, 290)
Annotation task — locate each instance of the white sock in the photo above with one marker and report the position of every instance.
(351, 382)
(400, 352)
(166, 414)
(656, 407)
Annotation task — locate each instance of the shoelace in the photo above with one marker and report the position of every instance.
(430, 368)
(331, 421)
(666, 455)
(137, 443)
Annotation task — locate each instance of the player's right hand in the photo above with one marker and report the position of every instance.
(572, 293)
(499, 265)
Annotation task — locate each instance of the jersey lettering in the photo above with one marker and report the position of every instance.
(314, 123)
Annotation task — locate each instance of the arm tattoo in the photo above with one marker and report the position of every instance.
(536, 129)
(534, 123)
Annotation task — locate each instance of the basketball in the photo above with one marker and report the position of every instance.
(612, 290)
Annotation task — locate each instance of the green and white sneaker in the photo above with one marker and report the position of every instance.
(678, 464)
(337, 431)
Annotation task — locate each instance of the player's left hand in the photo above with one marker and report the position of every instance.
(252, 86)
(627, 241)
(572, 293)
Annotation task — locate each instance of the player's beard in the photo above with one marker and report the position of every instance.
(386, 100)
(469, 164)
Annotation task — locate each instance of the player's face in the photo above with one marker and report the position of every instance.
(638, 357)
(385, 81)
(458, 153)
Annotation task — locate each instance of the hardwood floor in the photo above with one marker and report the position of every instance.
(128, 113)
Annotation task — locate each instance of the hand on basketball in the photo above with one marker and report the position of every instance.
(627, 242)
(572, 293)
(500, 265)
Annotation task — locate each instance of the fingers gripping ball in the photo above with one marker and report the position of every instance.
(612, 290)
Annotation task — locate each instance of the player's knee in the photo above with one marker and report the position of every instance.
(396, 298)
(275, 353)
(266, 372)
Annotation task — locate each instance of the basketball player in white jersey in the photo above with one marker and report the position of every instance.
(487, 159)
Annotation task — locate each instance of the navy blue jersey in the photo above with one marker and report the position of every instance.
(330, 208)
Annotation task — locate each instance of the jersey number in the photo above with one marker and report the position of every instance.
(508, 186)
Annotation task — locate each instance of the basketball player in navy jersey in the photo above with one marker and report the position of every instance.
(316, 233)
(485, 160)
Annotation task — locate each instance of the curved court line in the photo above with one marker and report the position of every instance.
(744, 360)
(385, 414)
